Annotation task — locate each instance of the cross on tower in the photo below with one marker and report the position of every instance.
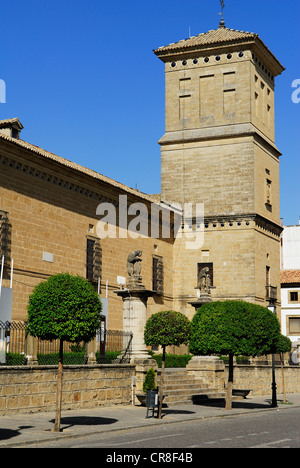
(222, 22)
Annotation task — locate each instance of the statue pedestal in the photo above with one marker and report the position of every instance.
(135, 317)
(203, 299)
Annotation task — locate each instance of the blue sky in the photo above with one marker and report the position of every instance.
(83, 79)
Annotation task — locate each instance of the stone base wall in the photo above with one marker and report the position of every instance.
(258, 378)
(33, 389)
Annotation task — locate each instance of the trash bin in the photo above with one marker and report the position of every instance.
(152, 401)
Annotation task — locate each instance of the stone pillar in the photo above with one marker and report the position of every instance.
(135, 317)
(31, 343)
(90, 350)
(210, 369)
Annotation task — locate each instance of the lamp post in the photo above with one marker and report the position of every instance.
(272, 308)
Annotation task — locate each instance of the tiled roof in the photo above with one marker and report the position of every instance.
(8, 122)
(65, 162)
(214, 36)
(290, 276)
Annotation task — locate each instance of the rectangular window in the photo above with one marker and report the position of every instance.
(271, 291)
(294, 326)
(293, 296)
(93, 260)
(268, 192)
(256, 100)
(158, 274)
(5, 238)
(267, 276)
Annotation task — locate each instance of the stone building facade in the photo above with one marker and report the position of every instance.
(290, 283)
(218, 152)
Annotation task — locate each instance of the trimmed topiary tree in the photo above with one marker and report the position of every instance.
(149, 381)
(167, 328)
(234, 328)
(66, 308)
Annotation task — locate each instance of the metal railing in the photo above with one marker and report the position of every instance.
(111, 347)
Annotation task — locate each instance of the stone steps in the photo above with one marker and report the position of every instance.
(181, 388)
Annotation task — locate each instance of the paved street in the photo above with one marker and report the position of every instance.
(275, 429)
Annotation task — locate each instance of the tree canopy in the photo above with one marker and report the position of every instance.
(64, 307)
(234, 328)
(167, 328)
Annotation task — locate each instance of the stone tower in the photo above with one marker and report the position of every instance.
(219, 149)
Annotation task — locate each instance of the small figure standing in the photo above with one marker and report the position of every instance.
(204, 282)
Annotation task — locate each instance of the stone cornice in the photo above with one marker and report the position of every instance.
(221, 132)
(243, 220)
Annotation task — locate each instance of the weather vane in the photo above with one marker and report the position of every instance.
(222, 22)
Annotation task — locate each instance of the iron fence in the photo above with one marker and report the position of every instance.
(112, 347)
(12, 343)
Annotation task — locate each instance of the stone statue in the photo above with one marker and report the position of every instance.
(134, 260)
(204, 282)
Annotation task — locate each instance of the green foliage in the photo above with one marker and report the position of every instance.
(108, 358)
(149, 381)
(167, 328)
(239, 359)
(64, 307)
(14, 359)
(52, 359)
(234, 327)
(77, 348)
(282, 345)
(173, 360)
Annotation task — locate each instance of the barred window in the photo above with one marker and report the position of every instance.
(93, 259)
(158, 274)
(5, 237)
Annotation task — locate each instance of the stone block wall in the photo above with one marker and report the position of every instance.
(33, 389)
(258, 378)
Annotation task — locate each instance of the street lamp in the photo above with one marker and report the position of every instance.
(272, 308)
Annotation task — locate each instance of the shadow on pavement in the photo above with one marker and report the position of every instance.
(174, 411)
(220, 403)
(70, 421)
(166, 412)
(9, 433)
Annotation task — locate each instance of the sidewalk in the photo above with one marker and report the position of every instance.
(23, 429)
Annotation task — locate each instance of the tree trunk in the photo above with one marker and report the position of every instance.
(161, 385)
(59, 388)
(228, 405)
